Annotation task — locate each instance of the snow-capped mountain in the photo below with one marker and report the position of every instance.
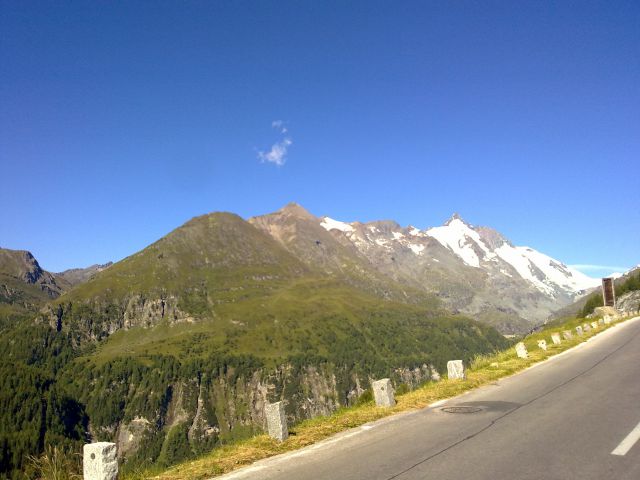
(473, 269)
(477, 247)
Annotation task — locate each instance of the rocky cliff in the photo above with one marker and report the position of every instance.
(167, 410)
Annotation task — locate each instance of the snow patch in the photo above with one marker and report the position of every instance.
(331, 224)
(417, 249)
(525, 260)
(558, 273)
(515, 256)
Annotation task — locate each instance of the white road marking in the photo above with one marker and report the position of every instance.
(628, 442)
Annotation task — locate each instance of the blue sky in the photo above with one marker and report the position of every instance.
(119, 121)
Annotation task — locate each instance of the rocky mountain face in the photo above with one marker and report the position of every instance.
(222, 400)
(24, 286)
(23, 267)
(304, 236)
(76, 276)
(473, 270)
(629, 303)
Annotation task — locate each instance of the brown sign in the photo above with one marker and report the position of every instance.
(608, 292)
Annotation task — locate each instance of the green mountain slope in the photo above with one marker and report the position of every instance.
(24, 286)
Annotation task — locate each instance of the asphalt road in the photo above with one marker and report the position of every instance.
(561, 419)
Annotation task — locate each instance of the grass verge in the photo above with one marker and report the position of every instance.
(483, 370)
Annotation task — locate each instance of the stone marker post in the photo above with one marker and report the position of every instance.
(542, 344)
(276, 421)
(383, 393)
(579, 330)
(521, 350)
(455, 370)
(567, 334)
(586, 327)
(555, 338)
(594, 325)
(99, 461)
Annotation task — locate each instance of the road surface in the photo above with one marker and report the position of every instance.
(575, 416)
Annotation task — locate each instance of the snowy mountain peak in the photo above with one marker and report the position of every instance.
(479, 247)
(485, 248)
(462, 240)
(455, 218)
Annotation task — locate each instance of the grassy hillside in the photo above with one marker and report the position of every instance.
(219, 251)
(18, 300)
(306, 316)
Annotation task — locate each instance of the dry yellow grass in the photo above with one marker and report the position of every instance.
(483, 370)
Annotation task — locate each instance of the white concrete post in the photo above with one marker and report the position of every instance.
(276, 421)
(542, 344)
(555, 338)
(594, 325)
(601, 321)
(579, 330)
(383, 393)
(567, 334)
(99, 461)
(586, 327)
(455, 370)
(521, 350)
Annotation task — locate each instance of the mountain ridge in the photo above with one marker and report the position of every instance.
(475, 270)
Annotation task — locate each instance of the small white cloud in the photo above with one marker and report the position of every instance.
(278, 152)
(279, 125)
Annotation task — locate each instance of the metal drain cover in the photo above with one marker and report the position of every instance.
(461, 409)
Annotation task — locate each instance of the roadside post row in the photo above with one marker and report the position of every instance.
(100, 460)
